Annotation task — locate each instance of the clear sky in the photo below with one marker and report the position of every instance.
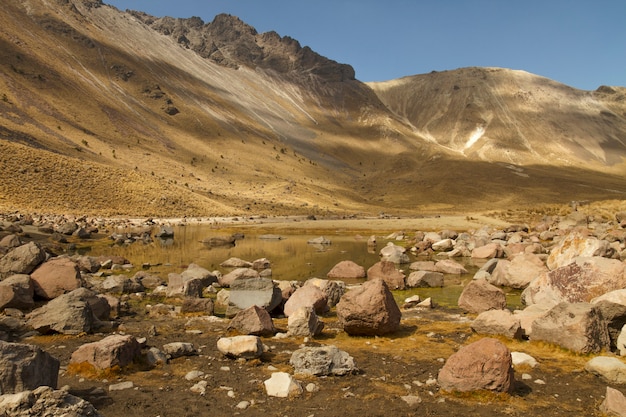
(581, 43)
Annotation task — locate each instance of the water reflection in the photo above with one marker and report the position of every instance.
(291, 255)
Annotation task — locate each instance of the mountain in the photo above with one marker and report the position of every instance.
(120, 113)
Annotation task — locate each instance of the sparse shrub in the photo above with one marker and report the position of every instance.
(85, 143)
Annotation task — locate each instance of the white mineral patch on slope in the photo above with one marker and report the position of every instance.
(476, 134)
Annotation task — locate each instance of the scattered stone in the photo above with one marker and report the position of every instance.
(247, 347)
(178, 349)
(394, 253)
(236, 263)
(448, 266)
(67, 314)
(574, 245)
(282, 385)
(321, 361)
(429, 279)
(17, 291)
(413, 401)
(482, 365)
(248, 291)
(21, 260)
(498, 322)
(121, 386)
(334, 290)
(51, 403)
(523, 359)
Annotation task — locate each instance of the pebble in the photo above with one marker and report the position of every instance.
(312, 387)
(190, 376)
(121, 386)
(243, 405)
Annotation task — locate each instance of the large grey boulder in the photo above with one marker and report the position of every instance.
(579, 327)
(322, 361)
(25, 367)
(21, 260)
(482, 365)
(388, 272)
(226, 280)
(55, 277)
(580, 281)
(115, 350)
(249, 291)
(478, 296)
(17, 291)
(424, 279)
(67, 314)
(369, 310)
(121, 284)
(195, 271)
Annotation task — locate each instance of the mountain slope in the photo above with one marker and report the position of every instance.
(111, 112)
(495, 114)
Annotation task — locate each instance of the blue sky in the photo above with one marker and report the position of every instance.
(581, 43)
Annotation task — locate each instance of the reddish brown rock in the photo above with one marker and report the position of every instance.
(482, 365)
(115, 350)
(254, 321)
(56, 277)
(307, 296)
(369, 310)
(387, 271)
(479, 296)
(346, 269)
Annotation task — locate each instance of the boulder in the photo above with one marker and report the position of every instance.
(67, 314)
(282, 385)
(482, 365)
(388, 272)
(45, 401)
(498, 322)
(25, 367)
(247, 347)
(579, 327)
(195, 271)
(423, 266)
(346, 270)
(612, 369)
(178, 349)
(580, 281)
(519, 272)
(236, 263)
(261, 264)
(478, 296)
(55, 277)
(574, 245)
(17, 291)
(307, 296)
(21, 260)
(614, 403)
(10, 242)
(253, 320)
(322, 361)
(248, 291)
(488, 251)
(369, 310)
(115, 350)
(121, 284)
(197, 305)
(443, 245)
(424, 279)
(334, 290)
(304, 322)
(227, 279)
(528, 316)
(448, 266)
(394, 253)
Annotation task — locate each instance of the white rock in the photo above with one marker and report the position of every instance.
(243, 405)
(283, 385)
(190, 376)
(121, 386)
(241, 346)
(520, 358)
(610, 368)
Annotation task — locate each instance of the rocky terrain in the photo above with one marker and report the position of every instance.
(107, 336)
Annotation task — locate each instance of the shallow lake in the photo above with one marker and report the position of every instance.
(291, 257)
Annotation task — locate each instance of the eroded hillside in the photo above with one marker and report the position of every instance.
(112, 112)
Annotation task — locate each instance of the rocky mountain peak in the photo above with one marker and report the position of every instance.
(230, 42)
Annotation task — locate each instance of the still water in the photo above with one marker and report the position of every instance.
(291, 257)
